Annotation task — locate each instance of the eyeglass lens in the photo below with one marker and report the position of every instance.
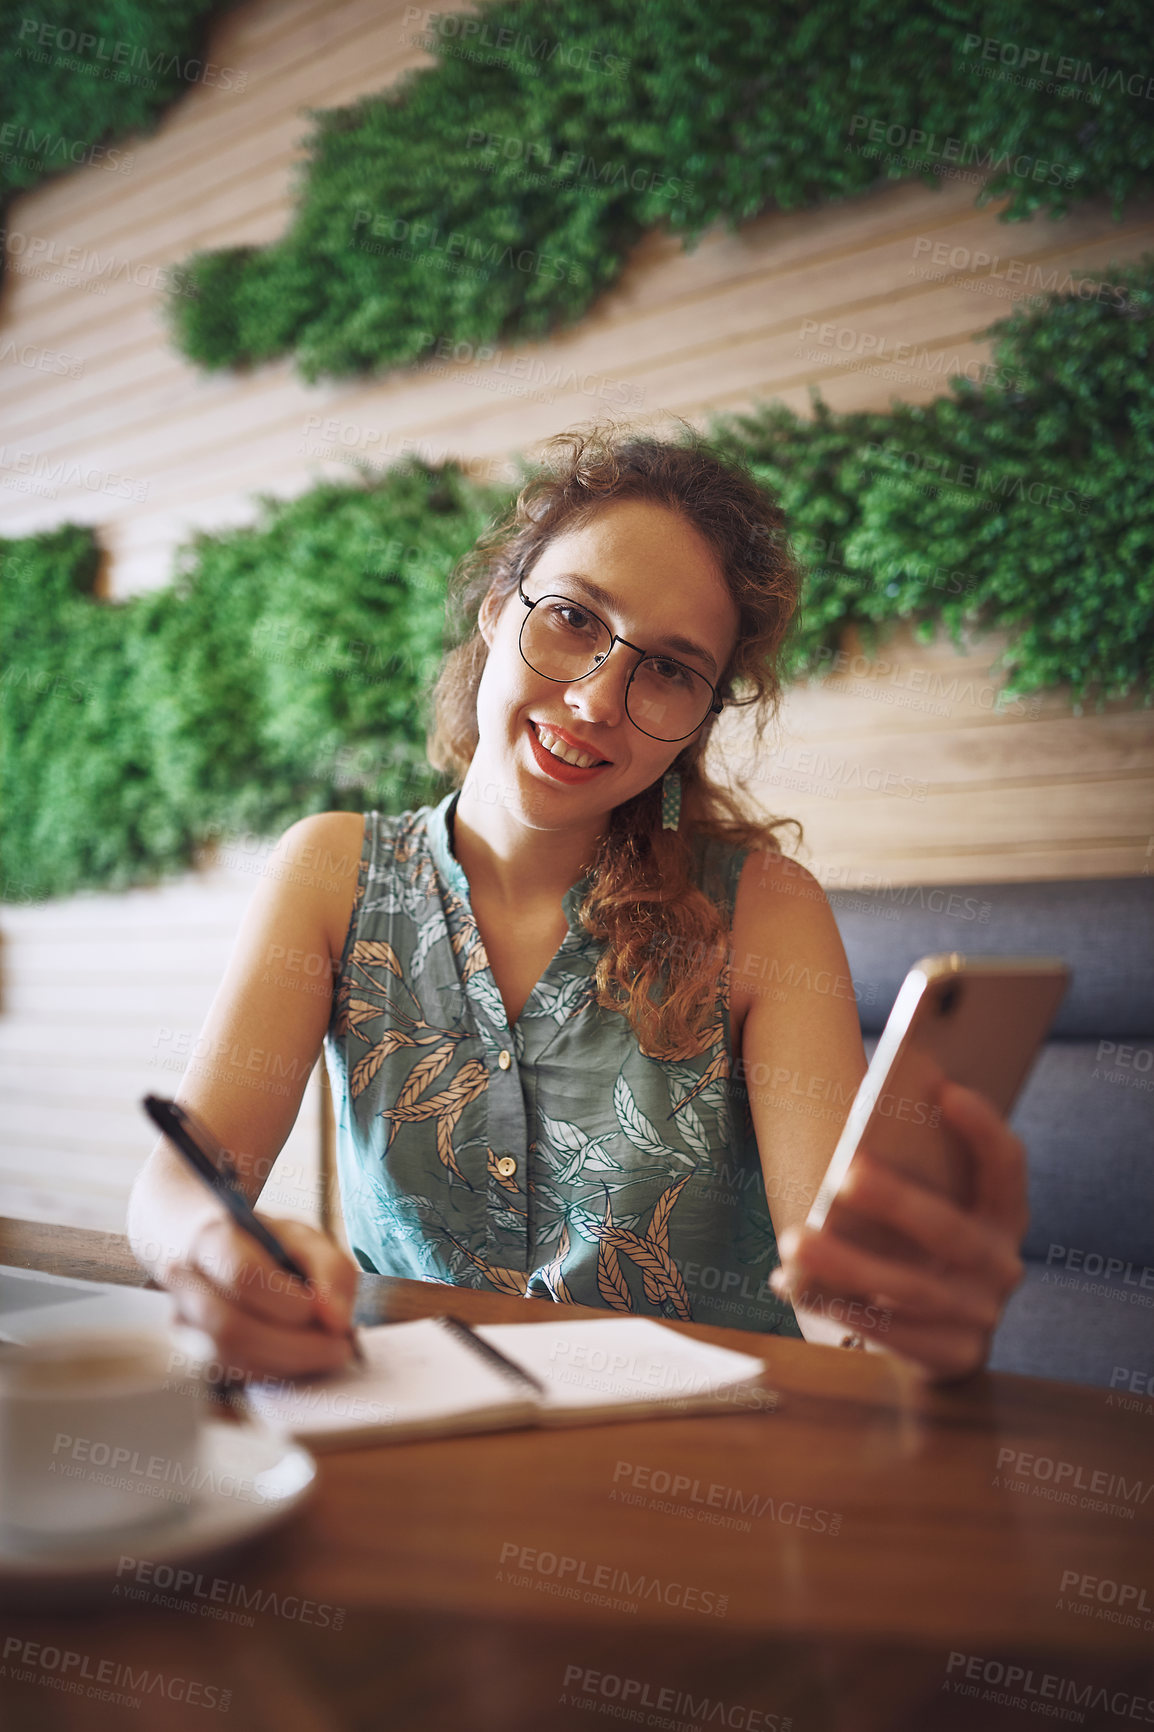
(563, 641)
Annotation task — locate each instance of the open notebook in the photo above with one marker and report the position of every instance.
(437, 1376)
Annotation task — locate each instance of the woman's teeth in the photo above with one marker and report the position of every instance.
(561, 749)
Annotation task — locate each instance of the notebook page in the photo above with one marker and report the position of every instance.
(418, 1380)
(618, 1362)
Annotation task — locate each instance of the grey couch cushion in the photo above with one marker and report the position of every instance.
(1066, 1325)
(1085, 1310)
(1104, 928)
(1088, 1128)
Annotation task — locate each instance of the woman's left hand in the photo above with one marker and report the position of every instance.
(944, 1317)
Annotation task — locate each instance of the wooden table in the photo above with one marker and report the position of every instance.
(874, 1554)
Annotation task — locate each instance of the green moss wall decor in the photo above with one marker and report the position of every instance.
(284, 671)
(76, 79)
(287, 668)
(496, 195)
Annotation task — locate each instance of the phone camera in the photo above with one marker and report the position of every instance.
(949, 999)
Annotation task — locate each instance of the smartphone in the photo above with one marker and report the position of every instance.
(977, 1020)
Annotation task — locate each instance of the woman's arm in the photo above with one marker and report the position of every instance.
(801, 1054)
(246, 1079)
(802, 1034)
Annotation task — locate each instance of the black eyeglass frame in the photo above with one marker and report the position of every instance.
(615, 638)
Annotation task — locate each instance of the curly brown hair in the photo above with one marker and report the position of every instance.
(642, 901)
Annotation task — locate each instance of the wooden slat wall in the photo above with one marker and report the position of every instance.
(901, 773)
(903, 770)
(101, 997)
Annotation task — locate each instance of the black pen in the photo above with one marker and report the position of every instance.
(190, 1139)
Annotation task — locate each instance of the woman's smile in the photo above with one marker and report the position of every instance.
(549, 758)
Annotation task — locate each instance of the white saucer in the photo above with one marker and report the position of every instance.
(253, 1477)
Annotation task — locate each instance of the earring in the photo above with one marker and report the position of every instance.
(671, 800)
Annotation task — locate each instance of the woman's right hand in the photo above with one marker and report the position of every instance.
(263, 1321)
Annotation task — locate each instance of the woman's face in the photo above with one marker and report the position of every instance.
(663, 583)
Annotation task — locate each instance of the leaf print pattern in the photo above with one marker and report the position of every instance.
(367, 1067)
(666, 1275)
(659, 1235)
(684, 1075)
(661, 1276)
(659, 1224)
(405, 845)
(637, 1127)
(633, 1121)
(560, 1000)
(446, 1107)
(359, 1011)
(426, 1070)
(615, 1146)
(551, 1274)
(378, 953)
(573, 1149)
(427, 936)
(692, 1130)
(475, 961)
(485, 988)
(611, 1283)
(465, 935)
(511, 1281)
(715, 1070)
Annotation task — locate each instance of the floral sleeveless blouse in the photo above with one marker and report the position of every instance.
(553, 1158)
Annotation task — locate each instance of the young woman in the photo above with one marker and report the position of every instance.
(592, 1035)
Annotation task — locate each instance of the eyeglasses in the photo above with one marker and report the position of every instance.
(563, 640)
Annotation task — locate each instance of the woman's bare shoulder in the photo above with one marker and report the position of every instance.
(783, 928)
(320, 856)
(771, 881)
(324, 829)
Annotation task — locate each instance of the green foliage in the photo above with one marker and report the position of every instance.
(815, 469)
(287, 670)
(496, 195)
(79, 804)
(75, 76)
(288, 667)
(1022, 504)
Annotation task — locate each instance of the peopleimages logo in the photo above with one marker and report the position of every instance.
(713, 1497)
(1070, 1482)
(1021, 1683)
(53, 475)
(431, 240)
(41, 360)
(1105, 1600)
(116, 55)
(79, 1674)
(514, 44)
(942, 472)
(929, 146)
(220, 1594)
(635, 1693)
(1075, 1257)
(577, 1578)
(43, 147)
(1065, 71)
(1025, 272)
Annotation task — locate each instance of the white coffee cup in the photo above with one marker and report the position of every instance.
(95, 1434)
